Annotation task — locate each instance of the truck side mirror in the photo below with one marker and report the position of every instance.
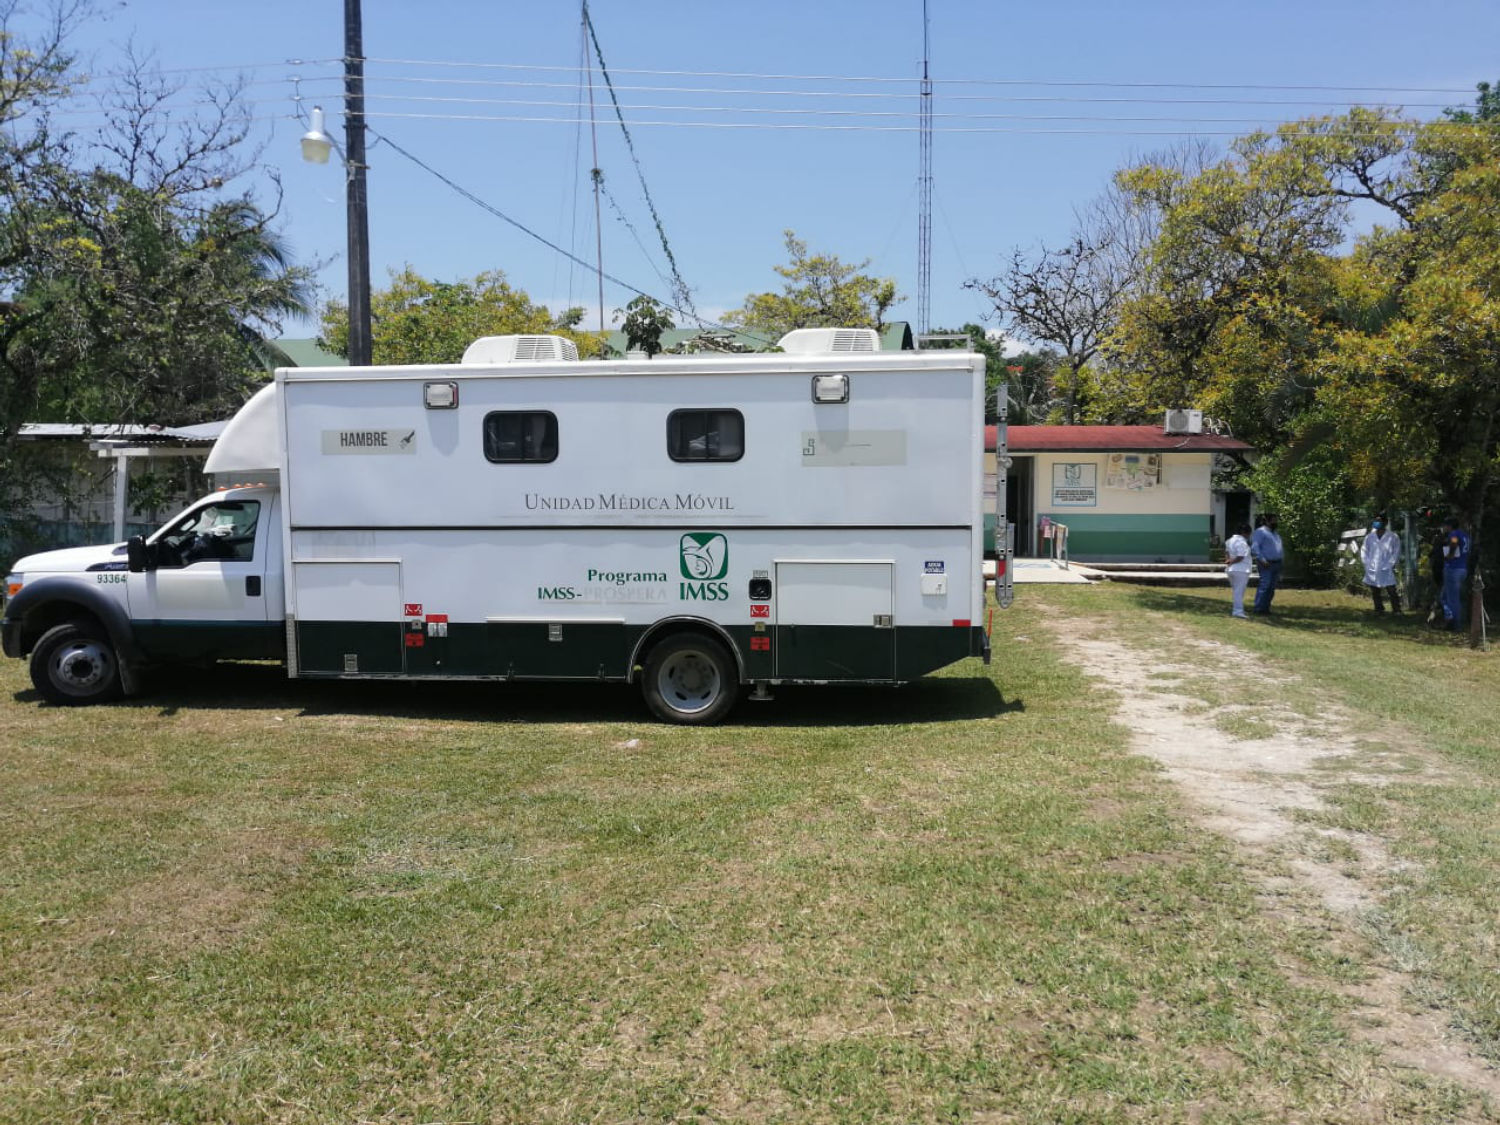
(136, 555)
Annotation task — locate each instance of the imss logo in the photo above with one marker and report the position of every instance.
(703, 557)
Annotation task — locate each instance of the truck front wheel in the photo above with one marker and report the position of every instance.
(690, 679)
(75, 663)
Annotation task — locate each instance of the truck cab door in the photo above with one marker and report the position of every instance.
(207, 596)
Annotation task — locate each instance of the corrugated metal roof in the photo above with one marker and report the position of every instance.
(1111, 439)
(123, 431)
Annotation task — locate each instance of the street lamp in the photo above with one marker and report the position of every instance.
(316, 145)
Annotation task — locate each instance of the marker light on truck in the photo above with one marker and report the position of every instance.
(13, 584)
(830, 388)
(440, 396)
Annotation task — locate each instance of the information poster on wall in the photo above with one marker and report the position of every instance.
(1134, 472)
(1075, 485)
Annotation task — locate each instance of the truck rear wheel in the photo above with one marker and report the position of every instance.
(75, 663)
(690, 679)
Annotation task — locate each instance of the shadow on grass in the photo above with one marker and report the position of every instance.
(1355, 619)
(265, 687)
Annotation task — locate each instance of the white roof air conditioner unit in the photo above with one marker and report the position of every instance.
(1184, 422)
(520, 349)
(830, 341)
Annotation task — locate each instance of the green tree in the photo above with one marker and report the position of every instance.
(645, 321)
(1231, 312)
(418, 320)
(139, 311)
(139, 284)
(1370, 374)
(1486, 106)
(820, 291)
(1416, 377)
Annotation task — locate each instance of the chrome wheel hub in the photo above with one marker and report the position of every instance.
(82, 666)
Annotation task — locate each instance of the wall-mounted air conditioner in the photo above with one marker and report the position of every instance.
(1183, 422)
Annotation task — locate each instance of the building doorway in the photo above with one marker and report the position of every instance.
(1020, 505)
(1236, 513)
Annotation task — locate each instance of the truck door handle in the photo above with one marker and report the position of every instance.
(252, 585)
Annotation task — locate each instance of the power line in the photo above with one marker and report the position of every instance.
(524, 229)
(872, 94)
(817, 112)
(1395, 130)
(1088, 83)
(1396, 126)
(679, 286)
(943, 84)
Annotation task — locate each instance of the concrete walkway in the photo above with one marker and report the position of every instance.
(1044, 570)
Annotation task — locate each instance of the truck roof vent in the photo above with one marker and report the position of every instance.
(830, 341)
(520, 349)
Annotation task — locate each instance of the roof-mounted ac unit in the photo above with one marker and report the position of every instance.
(830, 341)
(1184, 422)
(520, 349)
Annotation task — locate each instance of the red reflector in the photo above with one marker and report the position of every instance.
(1000, 567)
(961, 622)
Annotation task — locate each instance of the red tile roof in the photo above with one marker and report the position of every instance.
(1111, 439)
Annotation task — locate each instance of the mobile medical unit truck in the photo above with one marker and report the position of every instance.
(694, 524)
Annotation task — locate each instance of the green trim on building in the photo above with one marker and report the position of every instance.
(1135, 537)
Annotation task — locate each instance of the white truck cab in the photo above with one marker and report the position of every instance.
(205, 586)
(692, 524)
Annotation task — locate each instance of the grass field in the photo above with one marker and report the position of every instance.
(1413, 691)
(239, 899)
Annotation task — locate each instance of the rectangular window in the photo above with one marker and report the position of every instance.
(705, 435)
(520, 435)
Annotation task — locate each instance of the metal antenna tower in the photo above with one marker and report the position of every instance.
(924, 191)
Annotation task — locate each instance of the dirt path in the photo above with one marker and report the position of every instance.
(1246, 788)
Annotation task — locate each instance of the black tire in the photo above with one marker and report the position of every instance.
(690, 679)
(74, 664)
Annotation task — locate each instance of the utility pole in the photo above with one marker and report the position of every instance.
(357, 201)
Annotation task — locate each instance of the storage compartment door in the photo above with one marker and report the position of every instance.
(834, 621)
(349, 617)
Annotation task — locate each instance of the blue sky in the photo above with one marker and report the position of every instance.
(1036, 104)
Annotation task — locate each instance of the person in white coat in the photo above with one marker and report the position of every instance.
(1380, 554)
(1237, 567)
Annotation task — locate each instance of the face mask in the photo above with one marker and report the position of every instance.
(1378, 525)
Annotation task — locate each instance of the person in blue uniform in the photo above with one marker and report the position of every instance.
(1265, 549)
(1455, 570)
